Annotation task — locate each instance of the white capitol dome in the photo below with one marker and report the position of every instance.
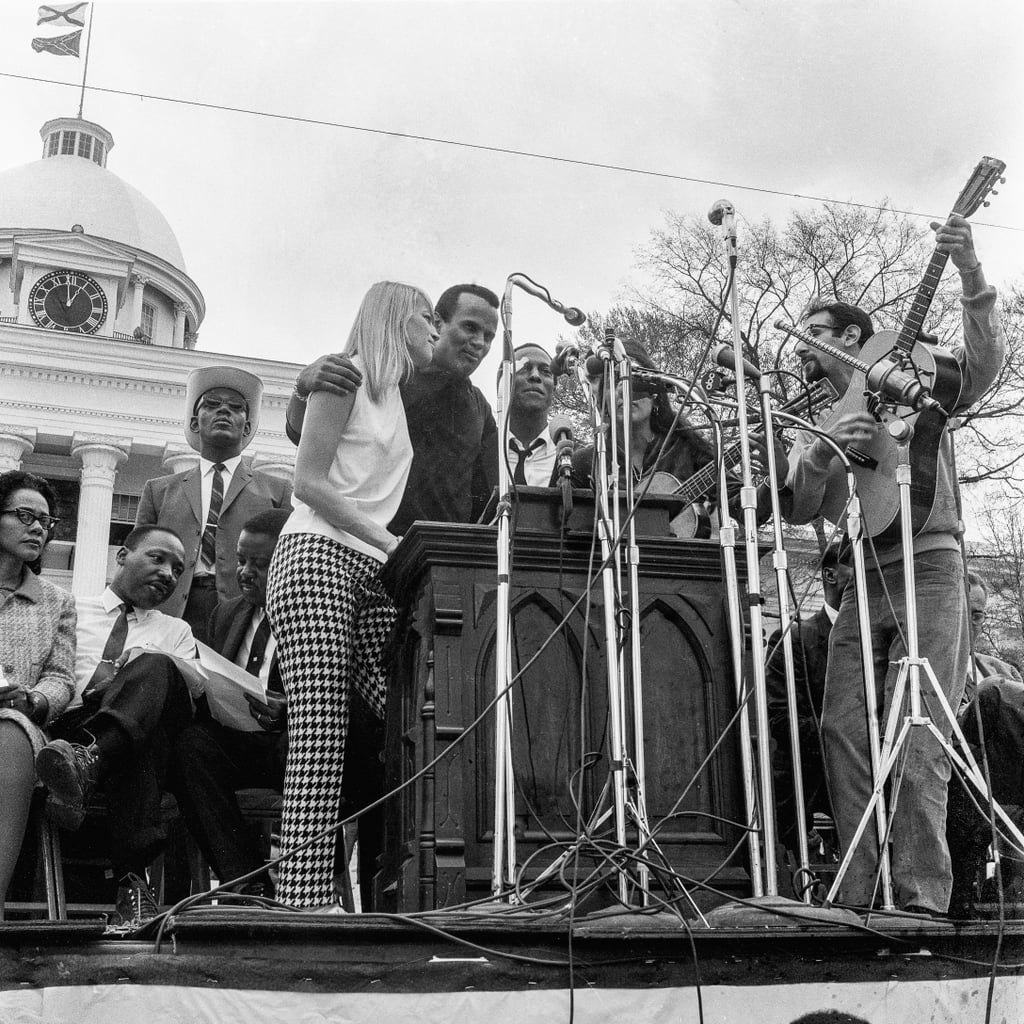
(60, 191)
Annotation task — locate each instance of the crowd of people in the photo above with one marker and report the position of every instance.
(105, 691)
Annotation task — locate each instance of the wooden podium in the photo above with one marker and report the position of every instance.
(438, 830)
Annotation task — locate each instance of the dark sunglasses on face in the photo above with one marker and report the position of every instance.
(27, 517)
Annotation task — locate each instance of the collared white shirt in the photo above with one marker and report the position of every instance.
(206, 489)
(245, 648)
(206, 478)
(540, 463)
(148, 628)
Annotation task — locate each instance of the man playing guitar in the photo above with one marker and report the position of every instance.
(920, 857)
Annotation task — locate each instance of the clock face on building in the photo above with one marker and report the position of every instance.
(68, 300)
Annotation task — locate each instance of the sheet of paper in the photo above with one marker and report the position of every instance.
(226, 687)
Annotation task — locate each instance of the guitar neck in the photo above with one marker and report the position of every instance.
(695, 487)
(911, 329)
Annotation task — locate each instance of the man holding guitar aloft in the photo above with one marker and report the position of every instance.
(920, 857)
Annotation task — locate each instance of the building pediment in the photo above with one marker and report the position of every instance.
(75, 252)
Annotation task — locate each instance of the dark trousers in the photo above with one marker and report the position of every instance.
(149, 702)
(210, 763)
(1001, 703)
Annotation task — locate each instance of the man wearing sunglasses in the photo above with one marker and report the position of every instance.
(208, 505)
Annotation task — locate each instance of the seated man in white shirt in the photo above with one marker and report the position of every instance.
(131, 700)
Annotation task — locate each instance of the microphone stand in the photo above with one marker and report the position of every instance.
(908, 688)
(504, 851)
(748, 501)
(607, 476)
(855, 535)
(780, 562)
(504, 847)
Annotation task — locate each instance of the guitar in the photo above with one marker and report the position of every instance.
(695, 521)
(893, 370)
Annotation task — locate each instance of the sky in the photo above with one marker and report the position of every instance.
(285, 224)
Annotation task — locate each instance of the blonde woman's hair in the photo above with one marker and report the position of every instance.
(378, 335)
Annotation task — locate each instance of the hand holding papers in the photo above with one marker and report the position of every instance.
(229, 689)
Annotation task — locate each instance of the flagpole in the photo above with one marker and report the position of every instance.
(85, 69)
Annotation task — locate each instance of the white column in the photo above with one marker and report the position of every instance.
(100, 458)
(179, 457)
(138, 286)
(277, 466)
(179, 325)
(13, 447)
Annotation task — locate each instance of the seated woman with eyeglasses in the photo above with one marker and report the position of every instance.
(37, 652)
(667, 455)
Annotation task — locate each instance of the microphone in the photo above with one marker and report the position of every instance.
(563, 459)
(721, 209)
(560, 428)
(726, 358)
(573, 316)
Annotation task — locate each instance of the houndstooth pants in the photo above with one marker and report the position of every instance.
(331, 620)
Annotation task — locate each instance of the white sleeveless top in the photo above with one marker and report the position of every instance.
(371, 467)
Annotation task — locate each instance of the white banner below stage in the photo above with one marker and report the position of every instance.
(937, 1002)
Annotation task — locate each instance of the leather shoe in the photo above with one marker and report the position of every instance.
(136, 905)
(70, 772)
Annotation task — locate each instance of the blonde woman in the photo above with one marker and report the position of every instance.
(329, 615)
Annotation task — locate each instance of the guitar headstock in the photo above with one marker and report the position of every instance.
(982, 181)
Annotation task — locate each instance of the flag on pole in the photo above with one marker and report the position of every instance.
(60, 46)
(62, 16)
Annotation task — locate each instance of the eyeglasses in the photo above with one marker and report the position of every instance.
(27, 517)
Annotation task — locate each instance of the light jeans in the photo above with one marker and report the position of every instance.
(920, 857)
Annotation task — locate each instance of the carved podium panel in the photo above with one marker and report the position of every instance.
(438, 830)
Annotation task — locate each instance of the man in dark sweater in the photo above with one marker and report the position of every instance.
(451, 426)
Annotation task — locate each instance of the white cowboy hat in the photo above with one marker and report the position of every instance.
(248, 385)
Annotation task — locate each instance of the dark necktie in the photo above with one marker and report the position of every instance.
(259, 647)
(112, 650)
(257, 654)
(519, 476)
(208, 545)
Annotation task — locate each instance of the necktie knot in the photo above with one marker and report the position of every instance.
(519, 476)
(219, 468)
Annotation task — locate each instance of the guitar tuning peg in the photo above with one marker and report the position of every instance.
(986, 203)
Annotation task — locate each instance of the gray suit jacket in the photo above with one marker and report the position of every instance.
(175, 501)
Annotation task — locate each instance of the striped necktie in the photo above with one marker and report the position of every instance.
(208, 545)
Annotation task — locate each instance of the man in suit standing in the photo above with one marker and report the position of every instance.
(207, 506)
(212, 760)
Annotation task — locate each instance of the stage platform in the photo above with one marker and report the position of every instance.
(252, 966)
